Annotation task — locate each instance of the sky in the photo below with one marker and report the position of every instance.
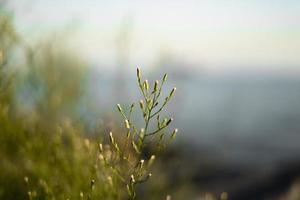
(210, 33)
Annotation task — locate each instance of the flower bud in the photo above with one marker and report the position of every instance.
(165, 77)
(142, 104)
(155, 86)
(132, 180)
(172, 92)
(169, 121)
(141, 164)
(173, 136)
(135, 147)
(119, 108)
(146, 85)
(111, 138)
(138, 73)
(127, 125)
(131, 107)
(150, 103)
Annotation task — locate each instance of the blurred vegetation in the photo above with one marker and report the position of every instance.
(53, 82)
(41, 143)
(44, 153)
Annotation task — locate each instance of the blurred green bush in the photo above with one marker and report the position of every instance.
(44, 154)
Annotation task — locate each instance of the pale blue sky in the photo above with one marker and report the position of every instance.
(214, 32)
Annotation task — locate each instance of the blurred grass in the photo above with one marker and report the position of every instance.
(42, 143)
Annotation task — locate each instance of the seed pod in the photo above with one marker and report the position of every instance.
(131, 108)
(155, 86)
(138, 73)
(92, 183)
(169, 121)
(165, 77)
(150, 102)
(119, 108)
(142, 104)
(173, 136)
(146, 85)
(132, 180)
(127, 125)
(111, 138)
(172, 92)
(141, 163)
(135, 147)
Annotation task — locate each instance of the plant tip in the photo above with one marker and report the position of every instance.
(127, 125)
(119, 107)
(132, 180)
(165, 77)
(156, 85)
(146, 85)
(169, 121)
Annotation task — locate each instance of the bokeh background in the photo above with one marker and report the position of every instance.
(236, 66)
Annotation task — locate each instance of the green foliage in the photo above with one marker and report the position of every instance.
(60, 164)
(55, 78)
(52, 157)
(138, 165)
(8, 35)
